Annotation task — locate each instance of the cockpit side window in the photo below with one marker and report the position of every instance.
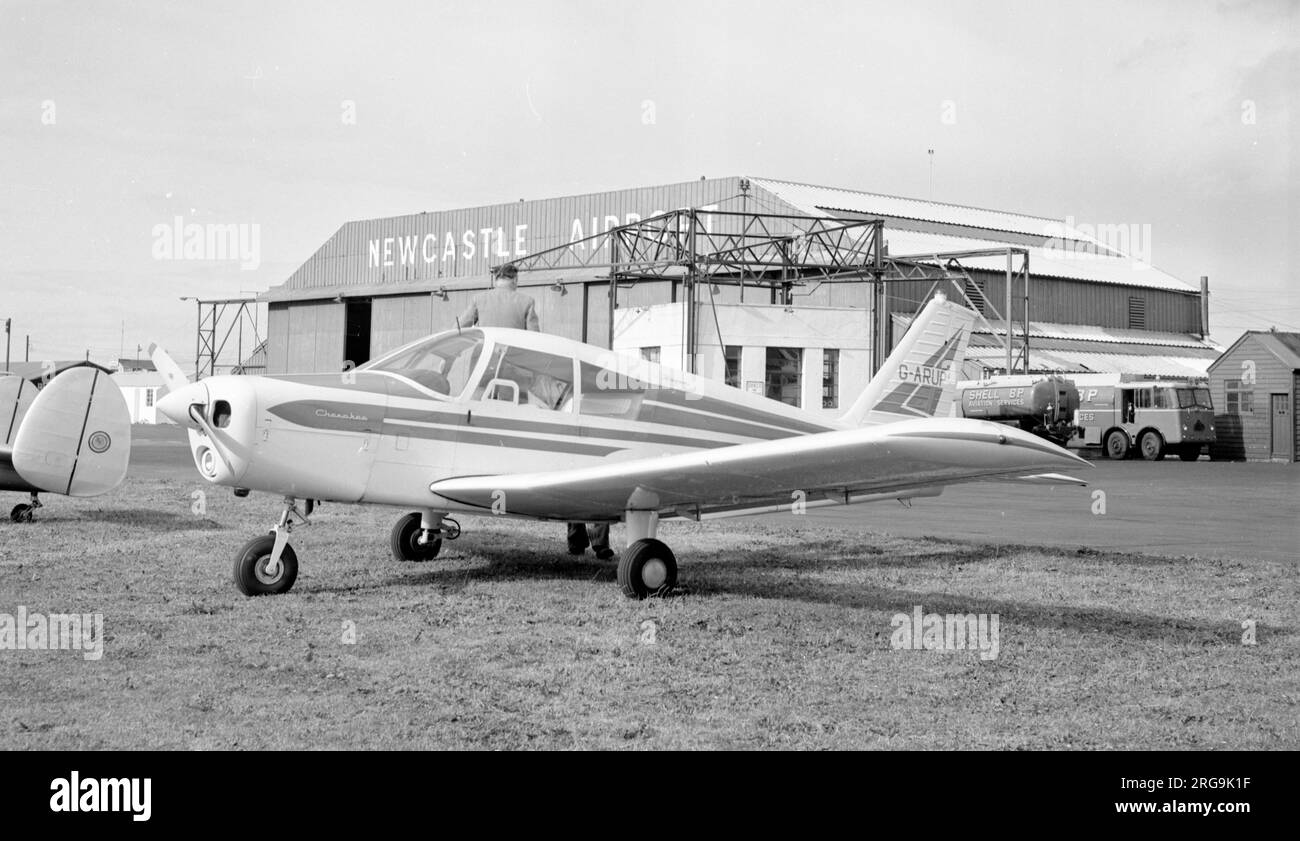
(610, 393)
(528, 378)
(442, 364)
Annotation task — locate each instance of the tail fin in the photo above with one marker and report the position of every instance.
(16, 396)
(918, 380)
(76, 437)
(173, 377)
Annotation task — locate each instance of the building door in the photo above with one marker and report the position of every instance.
(1283, 429)
(356, 337)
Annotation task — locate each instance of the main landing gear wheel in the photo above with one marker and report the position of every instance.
(22, 513)
(1117, 445)
(253, 575)
(1152, 445)
(406, 541)
(647, 568)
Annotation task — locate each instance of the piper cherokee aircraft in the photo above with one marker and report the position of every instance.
(70, 436)
(525, 424)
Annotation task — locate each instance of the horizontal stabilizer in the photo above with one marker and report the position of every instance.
(76, 437)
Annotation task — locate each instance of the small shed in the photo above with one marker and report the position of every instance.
(1254, 385)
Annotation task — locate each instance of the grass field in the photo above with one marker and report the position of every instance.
(779, 638)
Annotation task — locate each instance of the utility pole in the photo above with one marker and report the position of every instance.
(8, 323)
(931, 152)
(27, 354)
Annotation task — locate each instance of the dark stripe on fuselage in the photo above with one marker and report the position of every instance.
(353, 418)
(484, 421)
(489, 439)
(734, 411)
(366, 418)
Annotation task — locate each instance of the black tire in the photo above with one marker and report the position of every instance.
(1190, 453)
(1117, 446)
(406, 532)
(1152, 445)
(21, 513)
(647, 568)
(250, 568)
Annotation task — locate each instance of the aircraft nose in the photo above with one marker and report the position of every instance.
(176, 405)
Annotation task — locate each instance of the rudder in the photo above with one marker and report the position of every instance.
(918, 380)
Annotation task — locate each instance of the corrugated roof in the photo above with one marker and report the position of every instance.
(1085, 362)
(1066, 260)
(1088, 333)
(1043, 262)
(811, 198)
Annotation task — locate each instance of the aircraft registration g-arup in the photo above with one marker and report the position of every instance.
(65, 431)
(525, 424)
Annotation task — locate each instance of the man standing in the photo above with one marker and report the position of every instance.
(503, 305)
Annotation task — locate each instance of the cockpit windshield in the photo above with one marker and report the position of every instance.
(442, 363)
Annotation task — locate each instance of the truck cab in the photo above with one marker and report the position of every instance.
(1150, 419)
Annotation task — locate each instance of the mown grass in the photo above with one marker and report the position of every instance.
(779, 638)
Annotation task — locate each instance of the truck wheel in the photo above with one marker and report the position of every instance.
(1117, 445)
(1152, 445)
(1190, 453)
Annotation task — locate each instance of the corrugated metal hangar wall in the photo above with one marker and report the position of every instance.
(379, 283)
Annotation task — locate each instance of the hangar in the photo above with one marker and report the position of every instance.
(1052, 297)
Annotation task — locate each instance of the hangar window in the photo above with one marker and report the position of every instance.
(783, 367)
(148, 397)
(441, 364)
(830, 378)
(731, 356)
(1238, 399)
(650, 354)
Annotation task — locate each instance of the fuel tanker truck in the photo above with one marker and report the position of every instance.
(1043, 405)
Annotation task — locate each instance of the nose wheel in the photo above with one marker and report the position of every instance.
(256, 575)
(267, 564)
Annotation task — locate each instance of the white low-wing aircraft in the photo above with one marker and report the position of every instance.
(525, 424)
(65, 432)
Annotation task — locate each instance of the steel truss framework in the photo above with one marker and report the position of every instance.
(777, 251)
(218, 321)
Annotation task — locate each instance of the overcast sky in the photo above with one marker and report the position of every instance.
(117, 117)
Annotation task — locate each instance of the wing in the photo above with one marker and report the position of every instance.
(894, 461)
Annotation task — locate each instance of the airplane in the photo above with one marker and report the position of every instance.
(500, 422)
(66, 431)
